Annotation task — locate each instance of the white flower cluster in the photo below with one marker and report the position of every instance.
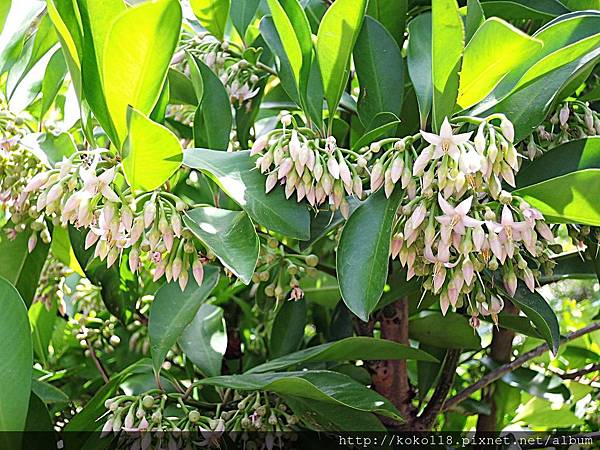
(86, 192)
(456, 226)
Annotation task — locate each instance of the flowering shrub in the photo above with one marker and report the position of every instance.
(231, 222)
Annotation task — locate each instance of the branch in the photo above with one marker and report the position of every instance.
(436, 403)
(581, 372)
(504, 369)
(99, 365)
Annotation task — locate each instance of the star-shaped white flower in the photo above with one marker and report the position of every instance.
(446, 143)
(455, 218)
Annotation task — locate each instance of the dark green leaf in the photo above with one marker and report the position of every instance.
(380, 72)
(287, 331)
(230, 235)
(363, 252)
(173, 310)
(419, 63)
(242, 14)
(428, 371)
(236, 175)
(48, 393)
(449, 331)
(392, 15)
(204, 340)
(318, 385)
(53, 80)
(475, 17)
(16, 361)
(181, 89)
(351, 348)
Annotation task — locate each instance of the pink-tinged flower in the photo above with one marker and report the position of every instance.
(159, 270)
(107, 428)
(271, 182)
(259, 145)
(563, 115)
(294, 145)
(91, 238)
(441, 262)
(333, 167)
(544, 230)
(456, 218)
(422, 161)
(444, 302)
(510, 282)
(446, 143)
(285, 167)
(296, 293)
(508, 230)
(492, 307)
(474, 322)
(149, 213)
(478, 238)
(507, 174)
(134, 259)
(198, 271)
(507, 129)
(345, 174)
(37, 182)
(100, 184)
(397, 168)
(377, 176)
(468, 271)
(32, 242)
(183, 280)
(529, 278)
(397, 242)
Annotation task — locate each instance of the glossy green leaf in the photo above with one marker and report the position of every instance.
(318, 385)
(287, 332)
(574, 265)
(212, 121)
(242, 14)
(38, 425)
(236, 175)
(16, 361)
(152, 153)
(181, 89)
(173, 310)
(21, 268)
(137, 52)
(212, 14)
(447, 43)
(380, 72)
(42, 326)
(337, 34)
(483, 69)
(541, 315)
(428, 371)
(285, 71)
(419, 63)
(524, 9)
(228, 234)
(363, 253)
(351, 348)
(392, 15)
(449, 331)
(15, 29)
(475, 18)
(48, 393)
(50, 148)
(570, 198)
(4, 10)
(53, 80)
(294, 33)
(375, 133)
(569, 157)
(204, 340)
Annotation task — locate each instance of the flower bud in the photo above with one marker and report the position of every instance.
(507, 129)
(377, 176)
(480, 140)
(333, 167)
(149, 213)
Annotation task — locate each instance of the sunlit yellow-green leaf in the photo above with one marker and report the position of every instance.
(212, 14)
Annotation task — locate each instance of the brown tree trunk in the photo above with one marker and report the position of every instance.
(501, 352)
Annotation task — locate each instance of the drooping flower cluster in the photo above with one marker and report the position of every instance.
(86, 191)
(282, 271)
(314, 169)
(239, 76)
(456, 227)
(158, 420)
(571, 120)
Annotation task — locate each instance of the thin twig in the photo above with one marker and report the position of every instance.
(508, 367)
(99, 366)
(581, 372)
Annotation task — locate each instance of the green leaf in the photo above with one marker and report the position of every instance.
(173, 310)
(350, 348)
(449, 331)
(483, 69)
(541, 315)
(392, 15)
(380, 72)
(204, 340)
(295, 37)
(242, 14)
(212, 121)
(376, 133)
(447, 43)
(327, 417)
(419, 63)
(16, 361)
(236, 175)
(48, 393)
(42, 326)
(137, 53)
(570, 198)
(50, 148)
(573, 265)
(181, 89)
(285, 71)
(152, 153)
(363, 253)
(97, 17)
(38, 425)
(569, 157)
(475, 18)
(320, 385)
(21, 268)
(230, 235)
(4, 10)
(524, 9)
(212, 15)
(287, 332)
(337, 34)
(53, 80)
(428, 371)
(14, 31)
